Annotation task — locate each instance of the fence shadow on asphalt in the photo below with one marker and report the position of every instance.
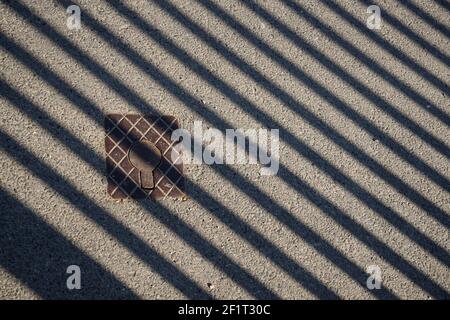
(189, 235)
(303, 111)
(300, 147)
(370, 63)
(426, 17)
(401, 27)
(272, 252)
(425, 104)
(172, 222)
(102, 218)
(387, 213)
(38, 256)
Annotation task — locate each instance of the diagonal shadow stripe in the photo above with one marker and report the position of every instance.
(317, 203)
(426, 17)
(38, 255)
(378, 101)
(410, 63)
(445, 4)
(376, 205)
(190, 236)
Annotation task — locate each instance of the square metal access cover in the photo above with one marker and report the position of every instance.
(124, 134)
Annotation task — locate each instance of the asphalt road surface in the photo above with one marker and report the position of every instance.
(359, 208)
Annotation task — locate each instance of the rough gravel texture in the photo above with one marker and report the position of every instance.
(364, 120)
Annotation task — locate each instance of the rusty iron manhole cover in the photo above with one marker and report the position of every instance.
(138, 157)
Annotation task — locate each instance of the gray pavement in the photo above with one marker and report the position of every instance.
(363, 118)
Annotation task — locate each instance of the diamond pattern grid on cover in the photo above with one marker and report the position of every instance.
(122, 132)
